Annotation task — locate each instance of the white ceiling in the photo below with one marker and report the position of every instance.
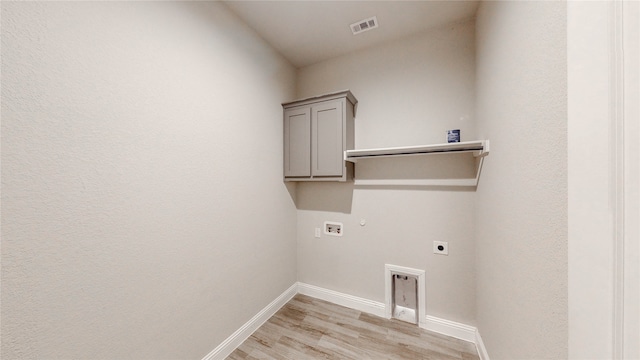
(307, 32)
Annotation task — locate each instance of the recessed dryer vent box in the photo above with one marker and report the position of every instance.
(333, 228)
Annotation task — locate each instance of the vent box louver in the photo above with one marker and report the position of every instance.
(364, 25)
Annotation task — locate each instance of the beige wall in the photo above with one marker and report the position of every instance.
(521, 205)
(143, 209)
(410, 93)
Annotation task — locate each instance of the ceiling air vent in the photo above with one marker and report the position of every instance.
(364, 25)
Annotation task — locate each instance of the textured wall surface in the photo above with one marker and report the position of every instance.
(143, 209)
(410, 92)
(521, 207)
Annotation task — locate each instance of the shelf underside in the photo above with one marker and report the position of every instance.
(479, 148)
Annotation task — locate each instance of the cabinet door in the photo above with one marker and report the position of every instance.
(297, 142)
(327, 141)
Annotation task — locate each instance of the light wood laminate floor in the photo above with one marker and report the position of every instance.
(309, 328)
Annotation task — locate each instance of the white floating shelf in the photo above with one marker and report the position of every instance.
(480, 148)
(418, 182)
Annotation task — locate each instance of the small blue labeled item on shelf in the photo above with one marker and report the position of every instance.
(453, 136)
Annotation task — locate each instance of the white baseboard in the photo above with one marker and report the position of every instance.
(237, 338)
(451, 328)
(432, 323)
(482, 351)
(350, 301)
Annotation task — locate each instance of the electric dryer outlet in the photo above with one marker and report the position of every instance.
(441, 247)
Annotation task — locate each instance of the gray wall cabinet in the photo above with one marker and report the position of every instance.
(317, 131)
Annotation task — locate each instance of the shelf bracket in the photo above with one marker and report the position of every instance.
(485, 149)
